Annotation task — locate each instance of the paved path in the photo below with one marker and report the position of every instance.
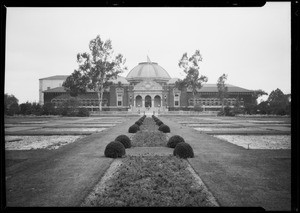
(62, 177)
(237, 176)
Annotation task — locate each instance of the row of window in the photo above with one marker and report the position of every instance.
(230, 102)
(58, 102)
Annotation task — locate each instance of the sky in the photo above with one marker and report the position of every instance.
(251, 45)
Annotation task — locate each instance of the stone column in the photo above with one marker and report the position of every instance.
(134, 103)
(143, 101)
(152, 101)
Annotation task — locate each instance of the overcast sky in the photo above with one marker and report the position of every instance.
(251, 45)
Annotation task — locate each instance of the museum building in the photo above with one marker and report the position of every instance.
(147, 87)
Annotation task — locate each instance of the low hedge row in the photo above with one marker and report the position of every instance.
(162, 127)
(116, 148)
(136, 126)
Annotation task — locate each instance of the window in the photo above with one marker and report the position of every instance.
(176, 99)
(119, 99)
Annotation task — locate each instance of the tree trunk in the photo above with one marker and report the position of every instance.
(222, 105)
(100, 95)
(194, 100)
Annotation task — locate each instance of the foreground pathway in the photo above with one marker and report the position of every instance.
(237, 176)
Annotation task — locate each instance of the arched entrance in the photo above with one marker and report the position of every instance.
(138, 101)
(157, 101)
(148, 101)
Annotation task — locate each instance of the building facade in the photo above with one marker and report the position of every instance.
(147, 87)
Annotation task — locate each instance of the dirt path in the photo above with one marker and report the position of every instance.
(237, 176)
(62, 177)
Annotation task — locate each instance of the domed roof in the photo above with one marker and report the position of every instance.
(148, 70)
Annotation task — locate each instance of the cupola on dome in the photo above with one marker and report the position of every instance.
(148, 70)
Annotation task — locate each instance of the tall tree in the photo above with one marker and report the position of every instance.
(252, 106)
(258, 93)
(95, 69)
(278, 102)
(222, 89)
(193, 80)
(8, 101)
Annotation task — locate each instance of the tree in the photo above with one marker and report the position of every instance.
(237, 107)
(13, 109)
(95, 69)
(26, 108)
(193, 79)
(48, 109)
(222, 89)
(36, 109)
(69, 107)
(263, 107)
(252, 107)
(278, 102)
(8, 101)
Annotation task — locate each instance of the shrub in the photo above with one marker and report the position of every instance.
(83, 112)
(139, 123)
(159, 122)
(174, 140)
(183, 150)
(114, 149)
(125, 140)
(164, 128)
(134, 128)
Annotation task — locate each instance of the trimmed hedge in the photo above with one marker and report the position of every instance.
(139, 123)
(125, 140)
(174, 140)
(159, 122)
(183, 150)
(164, 128)
(134, 128)
(114, 149)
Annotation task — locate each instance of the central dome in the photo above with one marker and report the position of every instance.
(148, 70)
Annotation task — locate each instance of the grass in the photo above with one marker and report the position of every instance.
(152, 181)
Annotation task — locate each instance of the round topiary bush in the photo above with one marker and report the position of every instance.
(159, 122)
(174, 140)
(139, 122)
(114, 149)
(183, 150)
(134, 128)
(164, 128)
(125, 140)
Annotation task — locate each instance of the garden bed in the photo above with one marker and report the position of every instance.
(258, 141)
(229, 129)
(149, 136)
(71, 129)
(38, 142)
(150, 181)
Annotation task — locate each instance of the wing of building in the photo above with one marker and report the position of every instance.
(147, 86)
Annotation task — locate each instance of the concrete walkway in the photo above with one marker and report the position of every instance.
(237, 176)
